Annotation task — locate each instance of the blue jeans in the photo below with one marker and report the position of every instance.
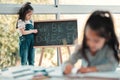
(26, 51)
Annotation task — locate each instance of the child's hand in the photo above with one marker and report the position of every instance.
(35, 31)
(87, 69)
(68, 69)
(83, 70)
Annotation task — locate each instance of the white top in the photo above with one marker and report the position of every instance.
(21, 24)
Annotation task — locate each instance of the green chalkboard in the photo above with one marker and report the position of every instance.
(59, 32)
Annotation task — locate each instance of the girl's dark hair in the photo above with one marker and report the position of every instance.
(102, 23)
(26, 8)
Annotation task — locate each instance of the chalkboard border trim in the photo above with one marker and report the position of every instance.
(56, 20)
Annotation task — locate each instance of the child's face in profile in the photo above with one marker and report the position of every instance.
(28, 15)
(94, 42)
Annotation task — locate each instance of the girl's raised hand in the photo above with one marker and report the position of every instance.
(35, 31)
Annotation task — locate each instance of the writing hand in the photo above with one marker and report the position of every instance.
(68, 69)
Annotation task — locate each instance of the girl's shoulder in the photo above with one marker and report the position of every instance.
(108, 49)
(21, 22)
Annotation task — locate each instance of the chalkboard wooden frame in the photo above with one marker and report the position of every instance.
(68, 27)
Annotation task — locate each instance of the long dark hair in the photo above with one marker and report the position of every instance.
(26, 8)
(102, 23)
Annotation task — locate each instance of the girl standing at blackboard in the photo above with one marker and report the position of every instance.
(99, 50)
(26, 29)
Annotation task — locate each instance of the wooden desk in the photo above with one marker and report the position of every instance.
(32, 72)
(114, 75)
(73, 78)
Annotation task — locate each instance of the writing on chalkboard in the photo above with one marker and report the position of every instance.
(59, 32)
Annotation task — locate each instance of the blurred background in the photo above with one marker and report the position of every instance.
(9, 55)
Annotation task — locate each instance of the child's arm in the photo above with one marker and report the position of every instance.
(21, 28)
(107, 66)
(87, 69)
(25, 32)
(68, 65)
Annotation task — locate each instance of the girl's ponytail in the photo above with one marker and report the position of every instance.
(24, 10)
(102, 22)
